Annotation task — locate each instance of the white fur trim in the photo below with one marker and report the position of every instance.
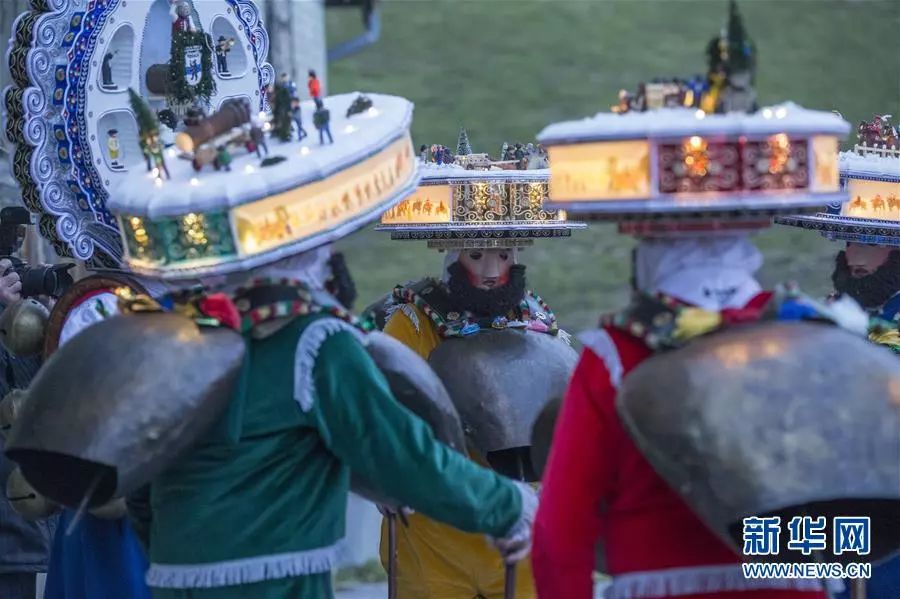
(410, 311)
(599, 342)
(308, 346)
(676, 582)
(86, 314)
(245, 571)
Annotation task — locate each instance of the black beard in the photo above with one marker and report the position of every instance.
(873, 290)
(486, 302)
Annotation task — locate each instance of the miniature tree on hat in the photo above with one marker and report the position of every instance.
(462, 145)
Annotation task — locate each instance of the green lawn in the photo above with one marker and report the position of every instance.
(504, 69)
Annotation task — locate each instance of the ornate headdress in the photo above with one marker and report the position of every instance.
(870, 173)
(477, 202)
(110, 205)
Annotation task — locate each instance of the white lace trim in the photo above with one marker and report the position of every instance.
(599, 342)
(245, 571)
(410, 311)
(675, 582)
(311, 340)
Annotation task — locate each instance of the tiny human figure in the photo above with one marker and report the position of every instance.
(153, 153)
(423, 153)
(258, 141)
(112, 146)
(106, 71)
(296, 116)
(284, 80)
(223, 158)
(223, 47)
(181, 17)
(315, 87)
(322, 119)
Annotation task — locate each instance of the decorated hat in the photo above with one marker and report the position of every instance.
(59, 106)
(252, 212)
(472, 201)
(697, 154)
(230, 195)
(870, 173)
(679, 167)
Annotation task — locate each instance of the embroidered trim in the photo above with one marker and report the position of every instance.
(301, 306)
(410, 312)
(405, 295)
(245, 571)
(675, 582)
(599, 342)
(308, 346)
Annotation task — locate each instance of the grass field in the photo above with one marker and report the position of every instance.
(504, 69)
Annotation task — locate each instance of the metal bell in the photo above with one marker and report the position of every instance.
(22, 327)
(10, 408)
(27, 502)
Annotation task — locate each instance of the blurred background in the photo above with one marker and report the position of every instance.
(504, 69)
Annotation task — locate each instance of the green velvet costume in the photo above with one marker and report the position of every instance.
(257, 509)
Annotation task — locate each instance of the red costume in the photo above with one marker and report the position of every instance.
(599, 486)
(315, 88)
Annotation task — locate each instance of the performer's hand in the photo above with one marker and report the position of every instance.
(516, 545)
(10, 284)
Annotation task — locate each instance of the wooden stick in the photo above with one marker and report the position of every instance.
(392, 554)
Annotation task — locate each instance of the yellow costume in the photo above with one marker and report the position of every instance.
(436, 561)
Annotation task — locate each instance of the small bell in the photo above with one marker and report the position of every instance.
(10, 408)
(27, 502)
(22, 327)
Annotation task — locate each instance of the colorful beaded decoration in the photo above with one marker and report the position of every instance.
(460, 327)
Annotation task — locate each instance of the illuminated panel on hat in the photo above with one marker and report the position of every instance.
(325, 204)
(879, 200)
(429, 204)
(612, 170)
(826, 175)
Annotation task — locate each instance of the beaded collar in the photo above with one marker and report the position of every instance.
(662, 322)
(267, 299)
(531, 313)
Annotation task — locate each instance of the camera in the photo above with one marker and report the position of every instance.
(46, 279)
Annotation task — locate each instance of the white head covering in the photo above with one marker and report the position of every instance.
(713, 272)
(310, 267)
(452, 256)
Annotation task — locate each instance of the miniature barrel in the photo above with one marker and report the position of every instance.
(157, 79)
(233, 113)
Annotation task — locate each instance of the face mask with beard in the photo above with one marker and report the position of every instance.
(871, 291)
(486, 302)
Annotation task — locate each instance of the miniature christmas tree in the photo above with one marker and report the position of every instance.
(741, 52)
(147, 123)
(462, 145)
(282, 113)
(148, 131)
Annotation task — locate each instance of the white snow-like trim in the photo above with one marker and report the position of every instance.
(245, 571)
(676, 582)
(308, 346)
(565, 336)
(854, 163)
(599, 342)
(356, 138)
(678, 122)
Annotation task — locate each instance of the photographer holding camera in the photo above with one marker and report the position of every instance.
(24, 545)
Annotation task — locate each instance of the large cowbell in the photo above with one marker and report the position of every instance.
(415, 385)
(781, 419)
(499, 382)
(121, 401)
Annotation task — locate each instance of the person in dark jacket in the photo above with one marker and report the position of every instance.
(24, 546)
